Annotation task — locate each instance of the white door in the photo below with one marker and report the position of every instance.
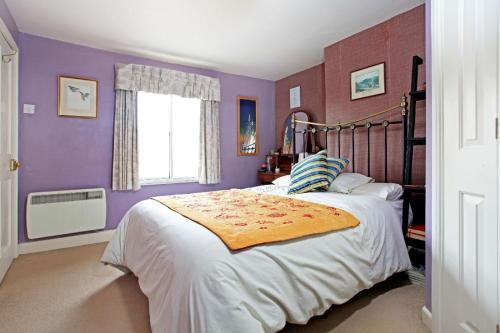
(8, 157)
(465, 98)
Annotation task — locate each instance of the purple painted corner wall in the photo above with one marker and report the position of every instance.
(428, 158)
(62, 153)
(68, 153)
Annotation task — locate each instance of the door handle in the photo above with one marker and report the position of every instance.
(14, 164)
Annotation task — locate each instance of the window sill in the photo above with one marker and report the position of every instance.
(166, 181)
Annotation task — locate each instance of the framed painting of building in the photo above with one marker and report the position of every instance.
(247, 125)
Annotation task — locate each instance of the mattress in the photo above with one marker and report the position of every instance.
(194, 283)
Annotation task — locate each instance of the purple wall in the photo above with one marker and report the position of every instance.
(9, 20)
(51, 148)
(68, 153)
(428, 158)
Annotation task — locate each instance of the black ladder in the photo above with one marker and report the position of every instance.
(410, 142)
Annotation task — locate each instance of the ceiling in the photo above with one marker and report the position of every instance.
(267, 39)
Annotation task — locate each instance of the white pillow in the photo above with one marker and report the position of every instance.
(348, 181)
(282, 181)
(386, 191)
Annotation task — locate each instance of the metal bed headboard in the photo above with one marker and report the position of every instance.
(353, 126)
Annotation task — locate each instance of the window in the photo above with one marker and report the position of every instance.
(168, 138)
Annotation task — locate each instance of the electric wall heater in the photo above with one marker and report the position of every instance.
(65, 212)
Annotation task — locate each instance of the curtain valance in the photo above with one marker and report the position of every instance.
(134, 77)
(131, 78)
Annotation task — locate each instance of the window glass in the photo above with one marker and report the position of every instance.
(185, 136)
(168, 137)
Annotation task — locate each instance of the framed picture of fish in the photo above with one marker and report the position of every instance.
(247, 125)
(77, 97)
(369, 81)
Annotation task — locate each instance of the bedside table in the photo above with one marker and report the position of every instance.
(268, 177)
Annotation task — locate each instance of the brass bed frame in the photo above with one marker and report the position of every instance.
(364, 122)
(316, 128)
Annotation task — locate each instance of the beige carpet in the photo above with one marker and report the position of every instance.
(70, 291)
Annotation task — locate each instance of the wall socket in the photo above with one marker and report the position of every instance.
(29, 108)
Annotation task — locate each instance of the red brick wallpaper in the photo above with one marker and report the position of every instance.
(394, 42)
(312, 97)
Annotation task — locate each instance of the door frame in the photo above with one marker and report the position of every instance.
(438, 12)
(14, 103)
(437, 9)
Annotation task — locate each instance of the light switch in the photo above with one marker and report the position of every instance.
(29, 108)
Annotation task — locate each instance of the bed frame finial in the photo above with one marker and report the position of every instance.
(404, 105)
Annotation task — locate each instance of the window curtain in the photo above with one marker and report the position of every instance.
(131, 78)
(209, 158)
(125, 152)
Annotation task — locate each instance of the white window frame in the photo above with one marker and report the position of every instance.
(165, 181)
(169, 179)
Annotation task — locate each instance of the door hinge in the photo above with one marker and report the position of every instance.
(496, 137)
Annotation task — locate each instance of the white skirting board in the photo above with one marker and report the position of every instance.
(427, 318)
(65, 242)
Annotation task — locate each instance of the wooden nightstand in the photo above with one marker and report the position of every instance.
(268, 177)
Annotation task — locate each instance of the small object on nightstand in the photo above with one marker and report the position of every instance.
(268, 161)
(277, 166)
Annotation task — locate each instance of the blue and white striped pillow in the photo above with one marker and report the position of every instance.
(335, 165)
(309, 174)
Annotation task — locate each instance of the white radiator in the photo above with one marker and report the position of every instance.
(65, 212)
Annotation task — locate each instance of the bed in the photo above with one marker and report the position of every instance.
(195, 283)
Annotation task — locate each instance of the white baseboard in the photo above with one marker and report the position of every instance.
(65, 242)
(427, 318)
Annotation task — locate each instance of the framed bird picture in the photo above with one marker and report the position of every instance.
(77, 97)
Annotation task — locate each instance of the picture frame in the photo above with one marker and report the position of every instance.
(295, 97)
(77, 97)
(247, 126)
(368, 81)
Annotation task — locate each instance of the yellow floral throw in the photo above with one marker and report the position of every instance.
(244, 218)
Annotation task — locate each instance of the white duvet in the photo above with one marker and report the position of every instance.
(194, 283)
